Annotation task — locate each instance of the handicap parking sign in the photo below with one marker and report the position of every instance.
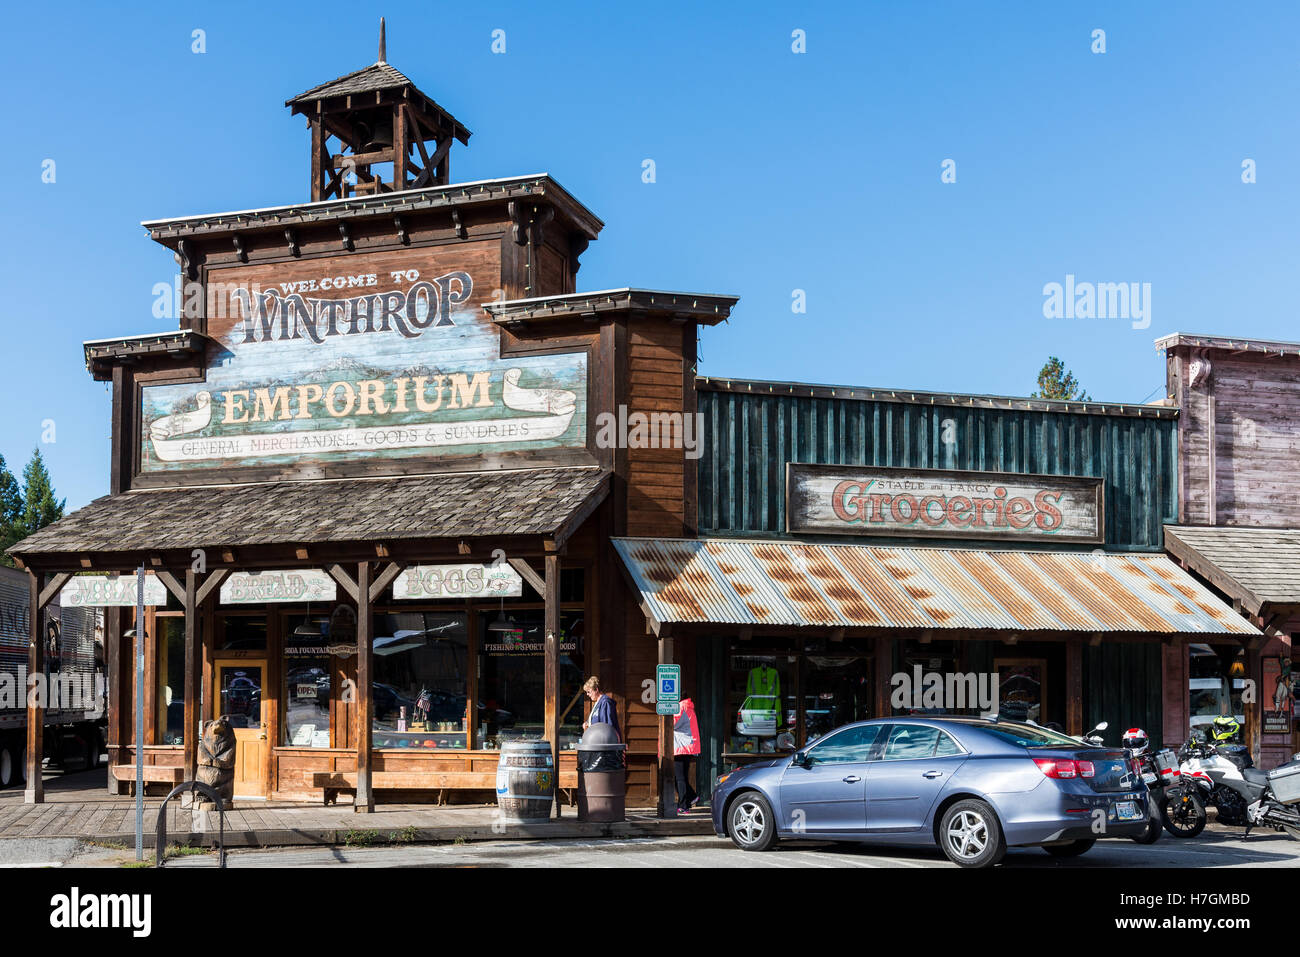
(669, 696)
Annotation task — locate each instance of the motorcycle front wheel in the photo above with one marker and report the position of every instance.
(1183, 813)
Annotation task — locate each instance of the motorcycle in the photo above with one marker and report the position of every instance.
(1176, 806)
(1225, 778)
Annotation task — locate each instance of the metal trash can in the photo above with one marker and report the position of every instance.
(602, 775)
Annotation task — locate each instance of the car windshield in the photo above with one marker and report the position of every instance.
(1027, 736)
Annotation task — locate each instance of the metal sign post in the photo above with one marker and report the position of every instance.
(139, 714)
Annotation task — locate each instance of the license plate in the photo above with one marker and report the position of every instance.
(1127, 811)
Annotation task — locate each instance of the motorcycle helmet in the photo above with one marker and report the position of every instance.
(1224, 728)
(1136, 739)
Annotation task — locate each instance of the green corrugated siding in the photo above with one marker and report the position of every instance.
(749, 437)
(1122, 686)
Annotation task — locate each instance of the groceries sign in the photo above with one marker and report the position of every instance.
(937, 503)
(356, 358)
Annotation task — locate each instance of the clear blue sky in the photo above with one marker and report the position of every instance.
(775, 171)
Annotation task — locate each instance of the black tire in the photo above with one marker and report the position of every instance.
(970, 834)
(9, 774)
(1183, 813)
(1072, 849)
(751, 825)
(1155, 827)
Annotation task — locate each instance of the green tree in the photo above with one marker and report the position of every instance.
(11, 511)
(40, 508)
(1055, 382)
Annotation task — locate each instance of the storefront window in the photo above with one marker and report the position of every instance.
(241, 633)
(420, 685)
(511, 675)
(1216, 679)
(170, 726)
(837, 687)
(761, 702)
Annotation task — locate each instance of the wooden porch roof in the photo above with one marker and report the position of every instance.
(549, 503)
(1257, 567)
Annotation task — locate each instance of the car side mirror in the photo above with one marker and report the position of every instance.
(801, 760)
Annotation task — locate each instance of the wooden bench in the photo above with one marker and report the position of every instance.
(332, 782)
(164, 773)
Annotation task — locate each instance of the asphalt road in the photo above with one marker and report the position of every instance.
(1216, 847)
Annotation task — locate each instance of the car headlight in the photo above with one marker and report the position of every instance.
(723, 778)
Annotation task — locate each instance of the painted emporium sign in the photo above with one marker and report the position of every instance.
(94, 591)
(458, 581)
(361, 357)
(299, 585)
(852, 500)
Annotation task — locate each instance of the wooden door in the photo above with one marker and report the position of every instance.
(241, 693)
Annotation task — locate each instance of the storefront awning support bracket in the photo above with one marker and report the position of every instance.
(385, 578)
(211, 583)
(527, 573)
(345, 581)
(173, 586)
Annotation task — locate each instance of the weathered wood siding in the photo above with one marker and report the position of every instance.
(1256, 443)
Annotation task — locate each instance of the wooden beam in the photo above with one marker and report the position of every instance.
(211, 584)
(173, 586)
(54, 586)
(35, 792)
(193, 675)
(364, 802)
(384, 579)
(551, 679)
(340, 575)
(1074, 686)
(526, 572)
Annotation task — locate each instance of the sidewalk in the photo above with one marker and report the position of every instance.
(78, 806)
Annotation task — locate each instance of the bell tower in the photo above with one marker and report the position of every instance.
(373, 131)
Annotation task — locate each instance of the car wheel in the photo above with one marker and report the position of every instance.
(1152, 833)
(751, 823)
(971, 836)
(1072, 849)
(1183, 813)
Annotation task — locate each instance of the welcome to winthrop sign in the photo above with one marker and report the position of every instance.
(360, 357)
(862, 500)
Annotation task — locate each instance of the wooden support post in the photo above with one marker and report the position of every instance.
(1254, 709)
(365, 799)
(1073, 686)
(551, 682)
(881, 667)
(665, 784)
(193, 675)
(35, 792)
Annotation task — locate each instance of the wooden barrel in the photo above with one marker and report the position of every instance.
(525, 781)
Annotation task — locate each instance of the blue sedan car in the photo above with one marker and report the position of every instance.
(973, 786)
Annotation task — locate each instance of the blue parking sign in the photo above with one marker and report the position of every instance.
(668, 681)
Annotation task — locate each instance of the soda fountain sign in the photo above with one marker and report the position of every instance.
(937, 503)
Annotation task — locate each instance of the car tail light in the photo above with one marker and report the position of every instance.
(1057, 767)
(1086, 770)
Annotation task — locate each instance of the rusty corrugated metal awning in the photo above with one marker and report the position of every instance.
(783, 583)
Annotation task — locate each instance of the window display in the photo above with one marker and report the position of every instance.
(420, 685)
(170, 670)
(761, 700)
(511, 676)
(1216, 679)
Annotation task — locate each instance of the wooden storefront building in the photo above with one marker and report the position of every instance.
(381, 480)
(366, 479)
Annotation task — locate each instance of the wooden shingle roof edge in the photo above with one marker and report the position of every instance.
(103, 354)
(535, 186)
(705, 308)
(1228, 556)
(1265, 347)
(140, 524)
(1136, 410)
